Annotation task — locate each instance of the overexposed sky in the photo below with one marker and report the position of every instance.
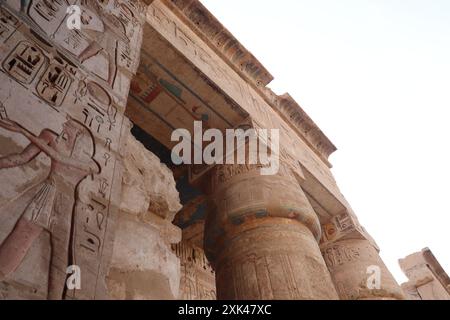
(375, 76)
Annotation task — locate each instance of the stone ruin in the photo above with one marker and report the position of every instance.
(87, 187)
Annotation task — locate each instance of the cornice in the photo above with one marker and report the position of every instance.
(223, 41)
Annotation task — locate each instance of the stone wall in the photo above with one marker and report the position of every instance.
(352, 255)
(143, 265)
(62, 97)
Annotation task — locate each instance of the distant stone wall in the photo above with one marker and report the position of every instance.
(427, 279)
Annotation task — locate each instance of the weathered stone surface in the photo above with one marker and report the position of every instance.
(148, 185)
(427, 279)
(198, 280)
(143, 265)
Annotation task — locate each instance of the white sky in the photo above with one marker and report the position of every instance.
(375, 76)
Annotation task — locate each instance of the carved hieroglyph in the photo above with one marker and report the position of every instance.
(143, 265)
(62, 96)
(198, 280)
(261, 236)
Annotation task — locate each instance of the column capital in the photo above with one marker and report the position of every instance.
(241, 195)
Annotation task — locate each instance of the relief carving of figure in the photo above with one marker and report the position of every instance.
(49, 205)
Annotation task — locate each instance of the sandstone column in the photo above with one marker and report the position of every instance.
(354, 262)
(261, 237)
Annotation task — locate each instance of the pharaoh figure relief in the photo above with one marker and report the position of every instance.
(44, 212)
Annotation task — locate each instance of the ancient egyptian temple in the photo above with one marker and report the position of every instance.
(92, 205)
